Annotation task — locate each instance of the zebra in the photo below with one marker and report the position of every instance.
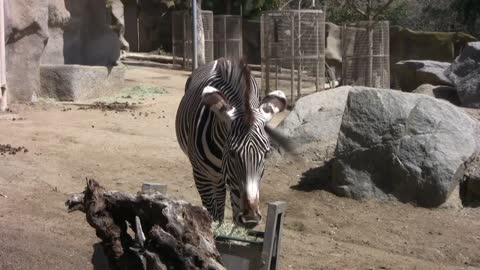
(221, 125)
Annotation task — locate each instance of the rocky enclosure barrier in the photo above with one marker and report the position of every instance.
(383, 144)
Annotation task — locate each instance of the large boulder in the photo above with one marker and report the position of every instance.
(410, 74)
(313, 125)
(408, 146)
(441, 92)
(26, 37)
(465, 73)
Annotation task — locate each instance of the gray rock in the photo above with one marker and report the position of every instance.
(470, 186)
(465, 74)
(441, 92)
(26, 36)
(468, 60)
(313, 125)
(75, 82)
(468, 89)
(410, 74)
(404, 145)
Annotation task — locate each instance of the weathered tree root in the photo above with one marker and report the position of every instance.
(169, 234)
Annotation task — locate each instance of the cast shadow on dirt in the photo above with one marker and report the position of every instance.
(315, 179)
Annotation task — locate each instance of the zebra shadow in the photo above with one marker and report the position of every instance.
(318, 178)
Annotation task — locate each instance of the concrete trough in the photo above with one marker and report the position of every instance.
(78, 82)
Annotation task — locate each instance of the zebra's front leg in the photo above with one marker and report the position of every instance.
(209, 193)
(220, 200)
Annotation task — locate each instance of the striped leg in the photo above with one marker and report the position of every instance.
(210, 193)
(220, 196)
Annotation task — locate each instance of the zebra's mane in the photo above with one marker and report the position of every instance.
(246, 75)
(244, 95)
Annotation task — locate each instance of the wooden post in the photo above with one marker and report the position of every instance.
(369, 81)
(3, 66)
(225, 35)
(185, 40)
(194, 35)
(343, 42)
(276, 72)
(292, 63)
(317, 50)
(370, 43)
(300, 64)
(266, 19)
(262, 50)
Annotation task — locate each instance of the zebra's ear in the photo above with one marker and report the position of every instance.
(216, 102)
(273, 103)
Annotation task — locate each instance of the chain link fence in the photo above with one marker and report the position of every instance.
(182, 37)
(227, 36)
(366, 54)
(293, 52)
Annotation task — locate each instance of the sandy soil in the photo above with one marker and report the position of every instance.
(124, 149)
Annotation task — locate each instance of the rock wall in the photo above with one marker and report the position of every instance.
(84, 32)
(438, 46)
(26, 37)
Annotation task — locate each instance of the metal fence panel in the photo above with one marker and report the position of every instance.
(182, 37)
(366, 54)
(293, 52)
(228, 36)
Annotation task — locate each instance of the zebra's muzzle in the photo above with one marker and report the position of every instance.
(251, 217)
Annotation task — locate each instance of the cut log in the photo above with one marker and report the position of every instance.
(169, 234)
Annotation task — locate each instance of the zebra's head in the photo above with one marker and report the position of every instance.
(245, 150)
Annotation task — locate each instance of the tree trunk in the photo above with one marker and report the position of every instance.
(169, 234)
(3, 66)
(200, 36)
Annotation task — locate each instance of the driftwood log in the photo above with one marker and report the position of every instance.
(167, 234)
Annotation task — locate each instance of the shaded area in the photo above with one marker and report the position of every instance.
(89, 39)
(470, 183)
(316, 178)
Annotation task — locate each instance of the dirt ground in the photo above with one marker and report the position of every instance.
(124, 149)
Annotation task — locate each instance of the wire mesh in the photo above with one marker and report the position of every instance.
(227, 36)
(293, 52)
(366, 54)
(182, 37)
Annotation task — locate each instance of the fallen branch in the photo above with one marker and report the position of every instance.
(169, 234)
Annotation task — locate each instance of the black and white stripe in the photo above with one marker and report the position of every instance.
(220, 126)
